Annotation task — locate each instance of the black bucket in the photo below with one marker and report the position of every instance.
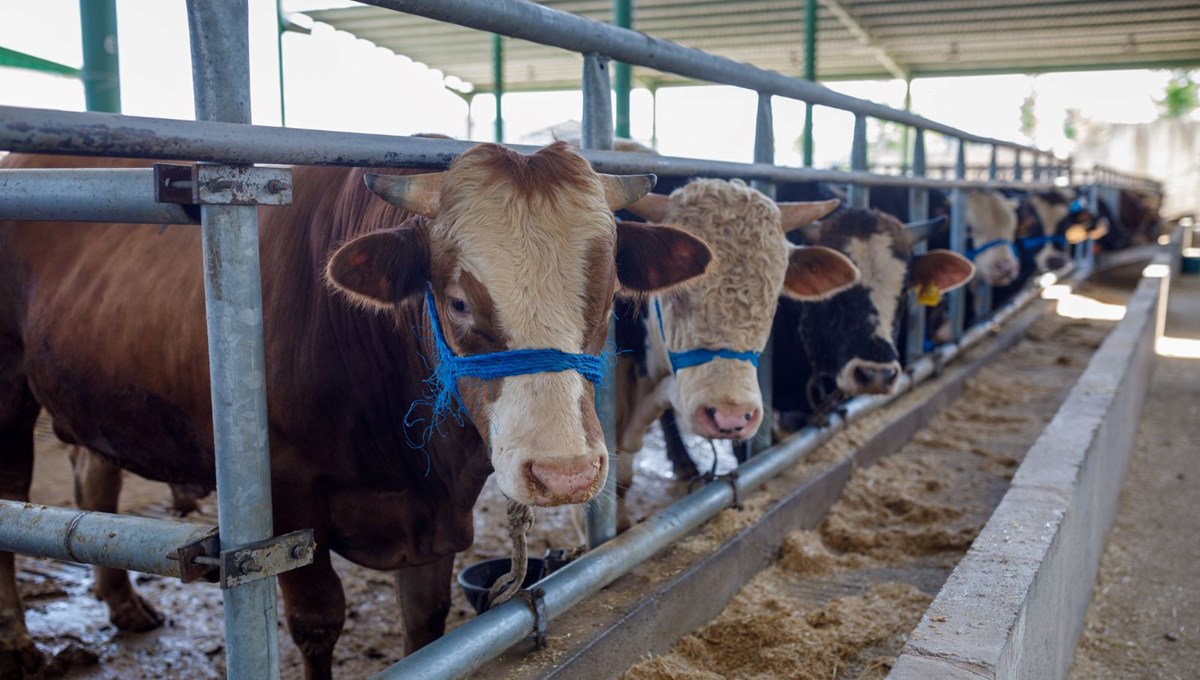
(477, 579)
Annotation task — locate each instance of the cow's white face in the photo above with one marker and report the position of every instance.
(993, 217)
(522, 252)
(732, 308)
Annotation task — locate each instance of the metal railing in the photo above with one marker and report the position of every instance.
(222, 137)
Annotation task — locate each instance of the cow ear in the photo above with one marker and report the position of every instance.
(652, 258)
(651, 207)
(816, 273)
(379, 269)
(941, 270)
(420, 194)
(796, 215)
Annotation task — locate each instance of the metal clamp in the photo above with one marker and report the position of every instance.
(202, 184)
(196, 560)
(267, 558)
(535, 597)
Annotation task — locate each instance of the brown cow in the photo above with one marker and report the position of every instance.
(103, 326)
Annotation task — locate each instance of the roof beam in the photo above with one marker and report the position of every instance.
(865, 38)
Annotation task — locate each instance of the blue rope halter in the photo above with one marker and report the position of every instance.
(972, 253)
(451, 367)
(699, 356)
(1036, 242)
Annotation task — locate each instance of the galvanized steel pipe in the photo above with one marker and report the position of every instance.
(117, 541)
(490, 634)
(233, 306)
(102, 134)
(539, 24)
(87, 195)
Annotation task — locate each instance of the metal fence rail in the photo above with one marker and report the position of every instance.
(223, 138)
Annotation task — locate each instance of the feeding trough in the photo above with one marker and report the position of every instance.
(478, 578)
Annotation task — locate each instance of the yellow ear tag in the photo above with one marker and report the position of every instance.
(929, 294)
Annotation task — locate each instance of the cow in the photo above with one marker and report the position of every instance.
(367, 306)
(846, 344)
(1050, 221)
(694, 351)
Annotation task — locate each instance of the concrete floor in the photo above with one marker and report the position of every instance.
(1144, 619)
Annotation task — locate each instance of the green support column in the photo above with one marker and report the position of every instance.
(101, 66)
(498, 82)
(622, 18)
(810, 73)
(279, 29)
(28, 62)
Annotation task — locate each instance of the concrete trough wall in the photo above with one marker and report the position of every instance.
(1014, 606)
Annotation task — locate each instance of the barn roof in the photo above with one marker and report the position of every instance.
(857, 39)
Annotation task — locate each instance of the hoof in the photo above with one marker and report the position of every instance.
(20, 658)
(133, 615)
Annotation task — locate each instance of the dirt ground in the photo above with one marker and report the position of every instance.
(900, 525)
(842, 599)
(1144, 620)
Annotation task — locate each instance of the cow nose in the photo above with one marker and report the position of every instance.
(727, 421)
(563, 482)
(1004, 271)
(875, 378)
(1055, 262)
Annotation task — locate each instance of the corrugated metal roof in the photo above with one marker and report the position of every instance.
(922, 37)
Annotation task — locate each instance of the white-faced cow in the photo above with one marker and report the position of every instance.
(702, 341)
(103, 327)
(849, 340)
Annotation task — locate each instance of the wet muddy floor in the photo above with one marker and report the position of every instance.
(71, 627)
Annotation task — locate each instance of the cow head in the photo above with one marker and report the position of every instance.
(519, 253)
(992, 219)
(852, 335)
(710, 333)
(1055, 220)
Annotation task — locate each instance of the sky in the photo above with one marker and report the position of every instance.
(334, 81)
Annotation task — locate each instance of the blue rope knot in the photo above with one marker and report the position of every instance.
(451, 367)
(699, 356)
(1036, 242)
(972, 253)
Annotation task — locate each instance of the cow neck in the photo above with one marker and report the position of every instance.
(493, 365)
(699, 356)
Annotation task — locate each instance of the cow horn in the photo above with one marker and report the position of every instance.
(420, 194)
(621, 190)
(651, 207)
(796, 215)
(921, 231)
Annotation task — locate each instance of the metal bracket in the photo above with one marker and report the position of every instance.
(535, 597)
(267, 558)
(195, 559)
(222, 184)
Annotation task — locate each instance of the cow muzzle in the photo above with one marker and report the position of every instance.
(868, 377)
(564, 482)
(727, 421)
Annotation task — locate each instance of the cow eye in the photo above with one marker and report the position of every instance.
(459, 305)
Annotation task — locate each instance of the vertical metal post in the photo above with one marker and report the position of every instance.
(918, 209)
(958, 237)
(810, 74)
(983, 292)
(904, 162)
(859, 195)
(498, 83)
(1018, 171)
(1035, 171)
(101, 60)
(622, 18)
(654, 116)
(279, 29)
(764, 152)
(233, 302)
(598, 134)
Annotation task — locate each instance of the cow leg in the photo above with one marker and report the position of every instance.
(650, 400)
(19, 656)
(424, 594)
(98, 487)
(314, 605)
(681, 461)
